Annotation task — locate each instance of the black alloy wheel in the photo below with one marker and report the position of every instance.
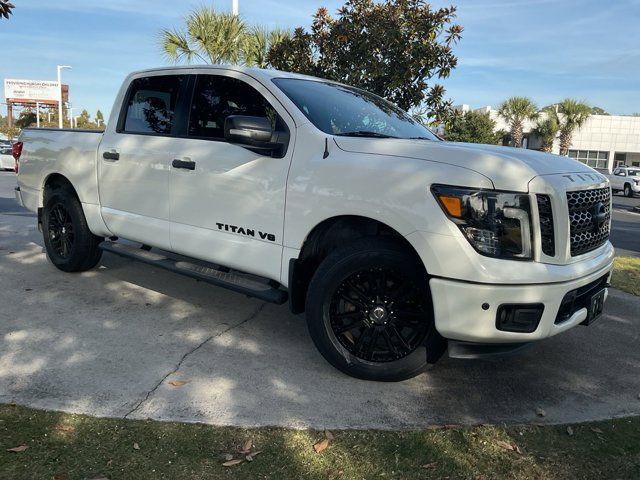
(60, 231)
(379, 315)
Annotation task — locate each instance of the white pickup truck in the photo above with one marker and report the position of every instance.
(395, 243)
(625, 179)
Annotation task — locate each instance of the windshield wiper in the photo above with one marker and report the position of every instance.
(421, 138)
(364, 133)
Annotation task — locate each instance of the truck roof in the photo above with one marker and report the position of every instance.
(257, 73)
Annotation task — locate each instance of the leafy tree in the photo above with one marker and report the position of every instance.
(598, 111)
(84, 120)
(6, 8)
(10, 133)
(210, 36)
(473, 127)
(570, 115)
(515, 111)
(99, 118)
(547, 129)
(393, 48)
(27, 118)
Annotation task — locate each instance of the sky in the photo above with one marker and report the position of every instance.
(544, 49)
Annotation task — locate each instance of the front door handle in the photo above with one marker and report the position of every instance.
(185, 164)
(112, 156)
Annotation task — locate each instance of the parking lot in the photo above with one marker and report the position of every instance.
(108, 342)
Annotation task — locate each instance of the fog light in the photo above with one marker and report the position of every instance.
(519, 318)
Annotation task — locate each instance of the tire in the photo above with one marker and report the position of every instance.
(69, 243)
(627, 190)
(368, 268)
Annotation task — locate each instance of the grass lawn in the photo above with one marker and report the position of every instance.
(626, 274)
(67, 447)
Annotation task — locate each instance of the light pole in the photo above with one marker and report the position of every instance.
(60, 67)
(70, 117)
(38, 114)
(235, 7)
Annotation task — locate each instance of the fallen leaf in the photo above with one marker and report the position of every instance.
(249, 458)
(569, 431)
(430, 465)
(66, 428)
(480, 477)
(246, 448)
(227, 457)
(59, 476)
(177, 383)
(136, 446)
(505, 445)
(517, 449)
(321, 445)
(19, 449)
(328, 435)
(596, 430)
(540, 412)
(257, 452)
(109, 463)
(231, 463)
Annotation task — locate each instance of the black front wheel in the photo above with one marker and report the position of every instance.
(69, 243)
(369, 311)
(627, 190)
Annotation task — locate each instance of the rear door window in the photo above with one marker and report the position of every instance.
(151, 104)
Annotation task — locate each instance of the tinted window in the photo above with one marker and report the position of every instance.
(341, 110)
(152, 103)
(217, 97)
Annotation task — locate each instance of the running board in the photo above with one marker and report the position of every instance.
(242, 283)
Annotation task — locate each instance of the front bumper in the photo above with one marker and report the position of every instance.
(459, 312)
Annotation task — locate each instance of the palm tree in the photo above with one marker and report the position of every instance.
(570, 114)
(547, 129)
(5, 8)
(258, 42)
(515, 111)
(210, 36)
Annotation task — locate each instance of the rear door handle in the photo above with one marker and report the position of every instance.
(112, 156)
(184, 164)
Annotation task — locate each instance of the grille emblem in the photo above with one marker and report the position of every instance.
(599, 215)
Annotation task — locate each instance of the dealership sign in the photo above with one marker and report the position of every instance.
(43, 91)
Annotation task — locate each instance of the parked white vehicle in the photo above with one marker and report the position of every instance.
(7, 162)
(284, 187)
(625, 179)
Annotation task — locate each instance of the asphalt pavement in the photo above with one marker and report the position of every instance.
(108, 342)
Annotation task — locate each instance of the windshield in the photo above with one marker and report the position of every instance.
(347, 111)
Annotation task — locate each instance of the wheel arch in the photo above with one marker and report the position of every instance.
(325, 237)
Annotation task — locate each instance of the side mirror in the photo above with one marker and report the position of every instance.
(256, 133)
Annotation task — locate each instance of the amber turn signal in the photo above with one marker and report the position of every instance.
(453, 205)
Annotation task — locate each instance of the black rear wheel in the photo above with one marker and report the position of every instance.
(369, 311)
(69, 243)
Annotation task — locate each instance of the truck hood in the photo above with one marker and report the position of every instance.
(508, 168)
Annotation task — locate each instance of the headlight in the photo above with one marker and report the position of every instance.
(497, 224)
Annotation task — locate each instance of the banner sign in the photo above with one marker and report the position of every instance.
(44, 91)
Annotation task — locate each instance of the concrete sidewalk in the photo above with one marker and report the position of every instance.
(107, 342)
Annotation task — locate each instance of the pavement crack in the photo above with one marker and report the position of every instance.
(191, 352)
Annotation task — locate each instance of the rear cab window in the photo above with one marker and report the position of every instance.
(151, 103)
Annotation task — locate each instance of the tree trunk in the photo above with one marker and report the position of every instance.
(516, 134)
(547, 146)
(565, 142)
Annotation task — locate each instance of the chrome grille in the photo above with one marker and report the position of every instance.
(546, 225)
(585, 234)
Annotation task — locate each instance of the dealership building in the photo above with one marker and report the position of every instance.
(603, 142)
